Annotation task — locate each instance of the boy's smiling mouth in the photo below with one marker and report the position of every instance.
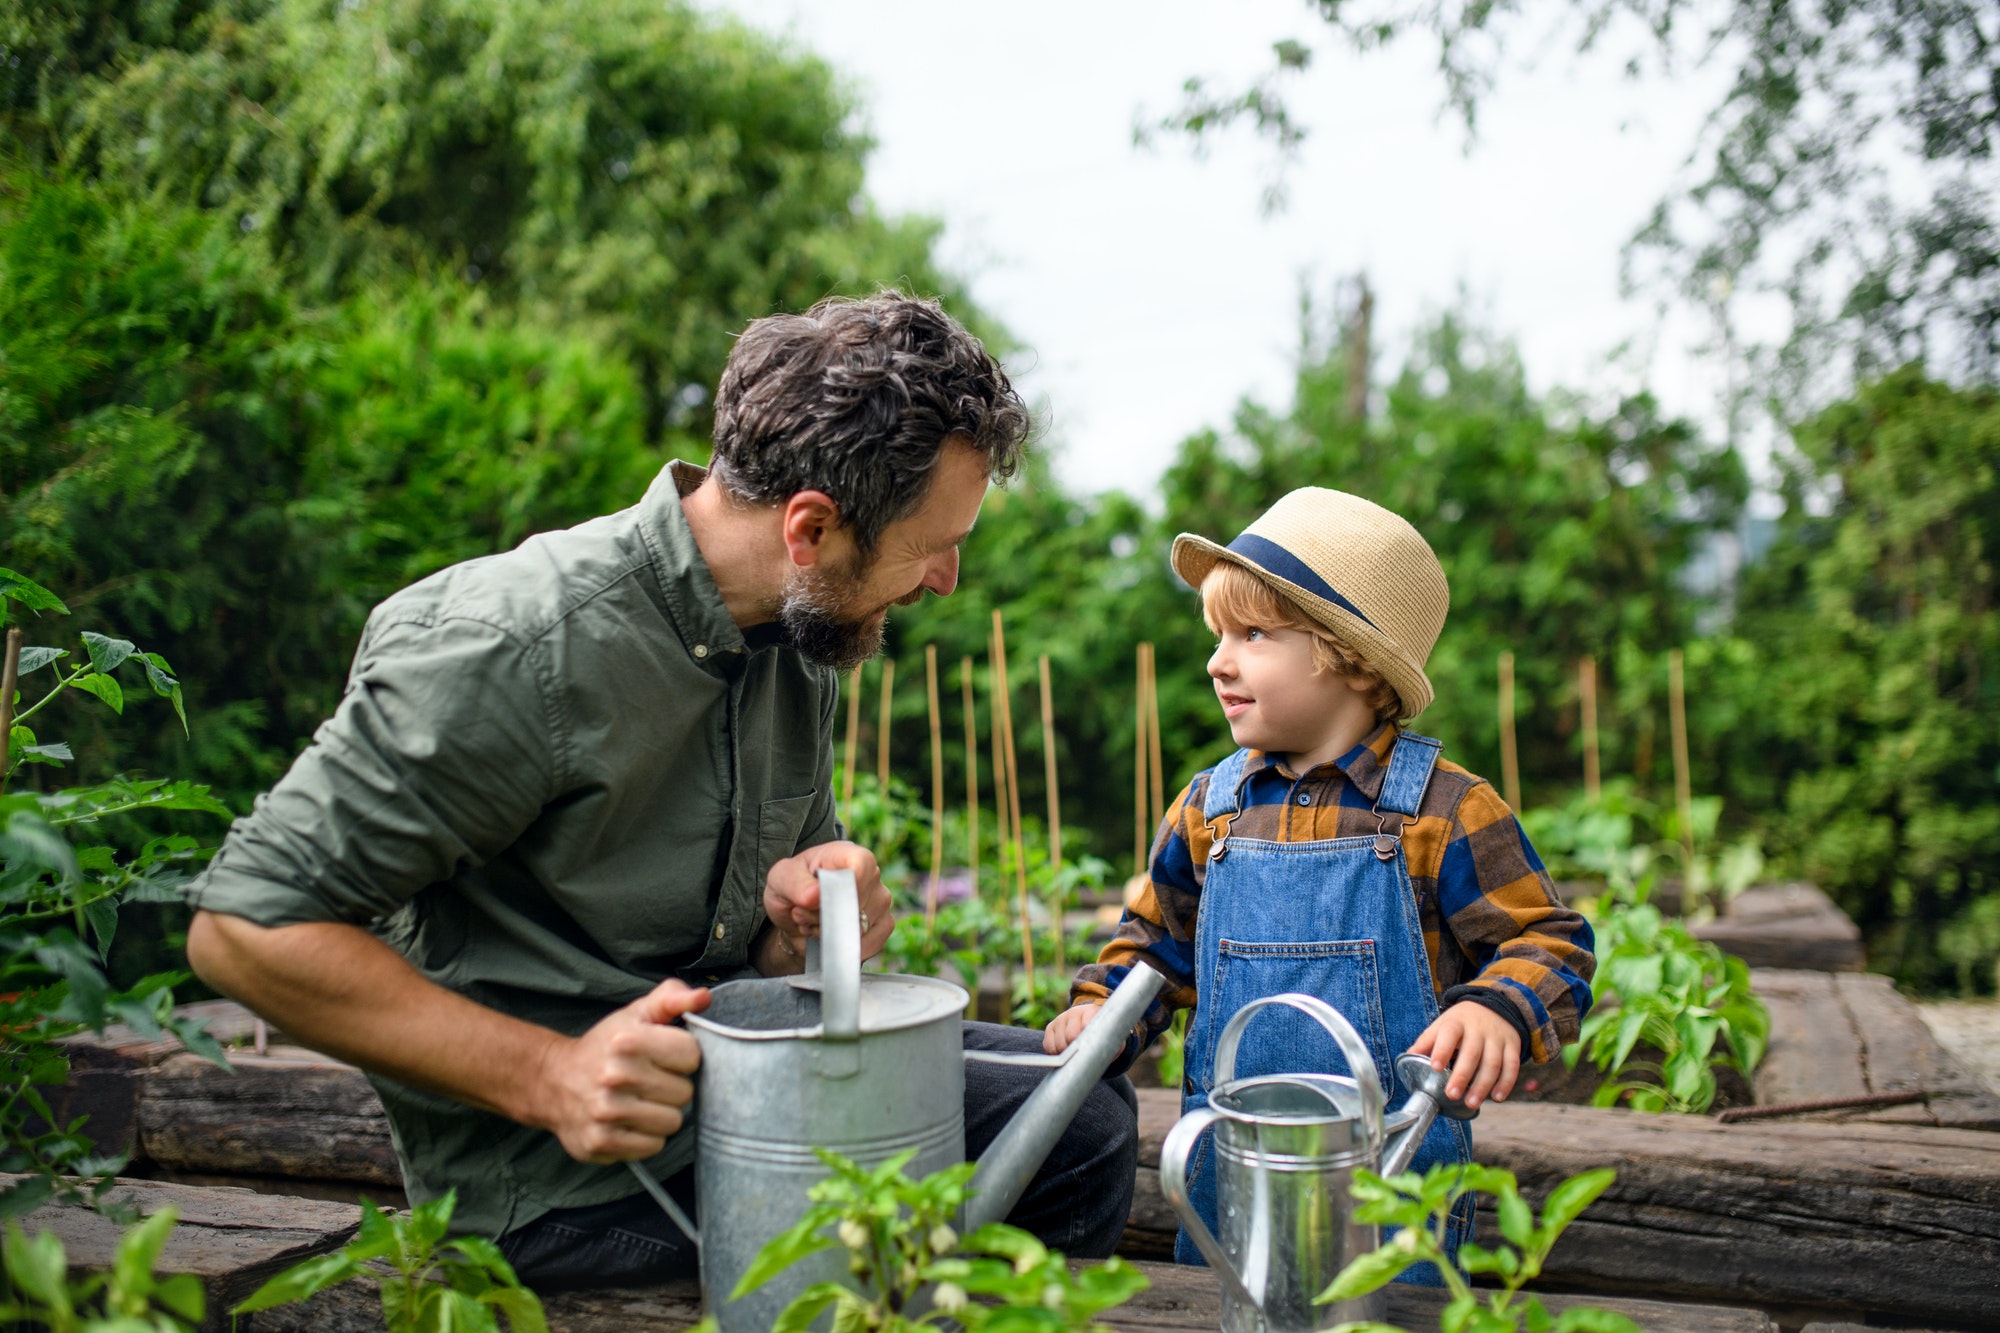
(1234, 704)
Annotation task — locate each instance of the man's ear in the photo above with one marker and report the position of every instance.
(806, 521)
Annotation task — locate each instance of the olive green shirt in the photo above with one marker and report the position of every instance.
(558, 776)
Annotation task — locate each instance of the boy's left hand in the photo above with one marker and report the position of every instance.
(1488, 1049)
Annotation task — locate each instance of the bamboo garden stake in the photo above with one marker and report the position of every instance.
(971, 775)
(1510, 762)
(1056, 894)
(1683, 781)
(1153, 740)
(882, 728)
(10, 676)
(1139, 829)
(853, 735)
(1014, 801)
(1000, 842)
(1586, 683)
(937, 785)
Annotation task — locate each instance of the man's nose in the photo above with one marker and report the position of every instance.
(942, 576)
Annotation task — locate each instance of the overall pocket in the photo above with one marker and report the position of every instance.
(1284, 1041)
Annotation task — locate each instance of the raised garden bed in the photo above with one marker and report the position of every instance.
(1899, 1218)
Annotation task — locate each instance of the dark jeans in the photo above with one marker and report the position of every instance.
(1077, 1202)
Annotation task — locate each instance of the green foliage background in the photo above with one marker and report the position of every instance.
(303, 299)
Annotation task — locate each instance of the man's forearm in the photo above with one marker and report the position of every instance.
(338, 989)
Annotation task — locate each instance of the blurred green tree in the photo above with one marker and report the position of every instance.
(642, 170)
(1877, 673)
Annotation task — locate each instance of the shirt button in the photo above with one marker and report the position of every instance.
(700, 651)
(720, 930)
(1304, 799)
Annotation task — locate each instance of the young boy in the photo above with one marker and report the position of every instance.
(1335, 854)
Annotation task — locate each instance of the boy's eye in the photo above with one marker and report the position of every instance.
(1253, 633)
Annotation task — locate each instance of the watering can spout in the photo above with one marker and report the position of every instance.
(1010, 1162)
(1405, 1129)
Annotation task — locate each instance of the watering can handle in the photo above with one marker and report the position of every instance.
(835, 954)
(1367, 1080)
(1180, 1141)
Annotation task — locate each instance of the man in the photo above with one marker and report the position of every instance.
(571, 785)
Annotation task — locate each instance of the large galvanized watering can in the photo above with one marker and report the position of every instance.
(1286, 1148)
(867, 1066)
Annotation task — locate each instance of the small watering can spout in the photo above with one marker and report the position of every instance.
(1428, 1101)
(1012, 1159)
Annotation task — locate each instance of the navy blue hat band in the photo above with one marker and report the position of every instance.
(1285, 565)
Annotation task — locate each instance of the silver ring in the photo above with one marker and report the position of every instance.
(864, 923)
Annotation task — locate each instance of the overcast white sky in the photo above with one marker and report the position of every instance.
(1148, 285)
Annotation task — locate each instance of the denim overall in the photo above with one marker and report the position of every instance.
(1334, 919)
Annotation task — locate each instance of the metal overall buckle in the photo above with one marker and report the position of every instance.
(1220, 847)
(1387, 840)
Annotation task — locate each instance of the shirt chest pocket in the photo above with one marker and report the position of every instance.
(780, 823)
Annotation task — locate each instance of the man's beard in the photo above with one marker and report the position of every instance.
(812, 614)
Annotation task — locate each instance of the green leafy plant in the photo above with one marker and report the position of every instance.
(899, 1239)
(61, 885)
(39, 1292)
(429, 1284)
(1421, 1207)
(1627, 841)
(1658, 985)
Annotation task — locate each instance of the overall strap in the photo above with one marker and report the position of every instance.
(1403, 786)
(1224, 799)
(1225, 786)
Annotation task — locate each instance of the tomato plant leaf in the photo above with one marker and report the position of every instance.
(34, 659)
(106, 653)
(104, 688)
(1567, 1201)
(28, 593)
(300, 1282)
(1368, 1272)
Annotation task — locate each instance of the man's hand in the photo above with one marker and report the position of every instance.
(1068, 1025)
(620, 1090)
(791, 901)
(1488, 1048)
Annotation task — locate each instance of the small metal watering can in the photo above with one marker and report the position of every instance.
(1286, 1148)
(867, 1066)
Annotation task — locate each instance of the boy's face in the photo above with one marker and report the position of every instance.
(1277, 703)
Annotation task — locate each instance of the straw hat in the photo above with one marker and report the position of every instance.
(1351, 565)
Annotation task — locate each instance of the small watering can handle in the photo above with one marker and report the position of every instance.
(836, 955)
(1367, 1080)
(1180, 1141)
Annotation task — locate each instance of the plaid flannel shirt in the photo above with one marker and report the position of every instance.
(1494, 930)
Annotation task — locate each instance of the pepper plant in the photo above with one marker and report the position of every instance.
(899, 1240)
(428, 1284)
(1421, 1207)
(1659, 985)
(61, 883)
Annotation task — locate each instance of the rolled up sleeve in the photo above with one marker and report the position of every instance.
(444, 750)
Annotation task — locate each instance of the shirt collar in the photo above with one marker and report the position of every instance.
(693, 601)
(1365, 765)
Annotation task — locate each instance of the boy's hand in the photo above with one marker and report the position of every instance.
(1487, 1045)
(1067, 1026)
